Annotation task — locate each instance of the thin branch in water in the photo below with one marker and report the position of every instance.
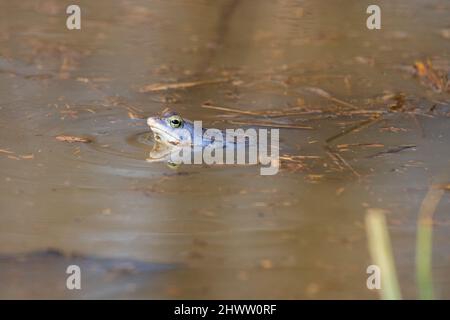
(179, 85)
(364, 124)
(395, 149)
(210, 106)
(337, 158)
(271, 124)
(322, 93)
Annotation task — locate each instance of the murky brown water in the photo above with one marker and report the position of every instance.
(217, 232)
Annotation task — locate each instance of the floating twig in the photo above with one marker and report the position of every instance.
(6, 151)
(363, 124)
(322, 93)
(210, 106)
(271, 124)
(347, 165)
(395, 149)
(179, 85)
(364, 145)
(72, 139)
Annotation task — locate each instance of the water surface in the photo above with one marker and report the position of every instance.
(224, 231)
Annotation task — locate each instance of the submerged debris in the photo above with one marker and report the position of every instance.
(436, 79)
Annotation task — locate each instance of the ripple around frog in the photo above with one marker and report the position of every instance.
(117, 146)
(113, 141)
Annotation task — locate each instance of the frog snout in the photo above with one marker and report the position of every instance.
(151, 122)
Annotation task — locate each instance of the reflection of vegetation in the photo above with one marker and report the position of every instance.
(423, 260)
(424, 243)
(380, 250)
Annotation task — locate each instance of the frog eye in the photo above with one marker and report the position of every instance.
(175, 121)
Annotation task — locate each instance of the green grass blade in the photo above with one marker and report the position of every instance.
(381, 253)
